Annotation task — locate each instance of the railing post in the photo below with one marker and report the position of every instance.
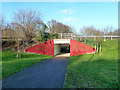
(85, 39)
(104, 38)
(111, 37)
(94, 38)
(80, 38)
(100, 50)
(61, 35)
(23, 45)
(71, 36)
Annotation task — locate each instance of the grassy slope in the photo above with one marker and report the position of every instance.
(94, 72)
(11, 64)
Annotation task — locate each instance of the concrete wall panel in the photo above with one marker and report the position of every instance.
(57, 49)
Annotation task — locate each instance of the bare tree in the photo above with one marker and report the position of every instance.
(115, 32)
(2, 24)
(51, 25)
(88, 31)
(58, 27)
(108, 30)
(28, 21)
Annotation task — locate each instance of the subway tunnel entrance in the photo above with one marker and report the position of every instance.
(57, 46)
(65, 48)
(61, 47)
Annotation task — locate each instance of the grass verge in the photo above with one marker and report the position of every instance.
(11, 64)
(89, 71)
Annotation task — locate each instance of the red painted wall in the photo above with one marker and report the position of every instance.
(77, 48)
(42, 48)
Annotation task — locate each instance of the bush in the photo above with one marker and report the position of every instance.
(53, 36)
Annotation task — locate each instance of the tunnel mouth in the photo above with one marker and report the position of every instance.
(61, 46)
(65, 48)
(61, 49)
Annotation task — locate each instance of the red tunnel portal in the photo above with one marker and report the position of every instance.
(42, 48)
(76, 48)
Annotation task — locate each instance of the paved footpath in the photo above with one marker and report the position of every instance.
(49, 73)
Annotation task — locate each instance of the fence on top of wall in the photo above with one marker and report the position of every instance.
(74, 36)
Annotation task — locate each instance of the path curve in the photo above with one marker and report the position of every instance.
(49, 73)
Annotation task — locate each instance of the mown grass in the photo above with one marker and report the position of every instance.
(89, 71)
(11, 64)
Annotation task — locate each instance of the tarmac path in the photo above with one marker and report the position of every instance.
(49, 73)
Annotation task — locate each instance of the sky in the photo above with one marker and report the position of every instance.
(75, 14)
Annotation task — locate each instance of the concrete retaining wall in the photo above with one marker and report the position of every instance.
(57, 49)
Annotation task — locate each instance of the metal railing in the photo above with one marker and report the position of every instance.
(65, 36)
(73, 36)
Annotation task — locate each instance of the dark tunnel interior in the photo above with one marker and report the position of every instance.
(65, 48)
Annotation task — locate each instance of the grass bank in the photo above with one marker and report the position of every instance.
(89, 71)
(11, 64)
